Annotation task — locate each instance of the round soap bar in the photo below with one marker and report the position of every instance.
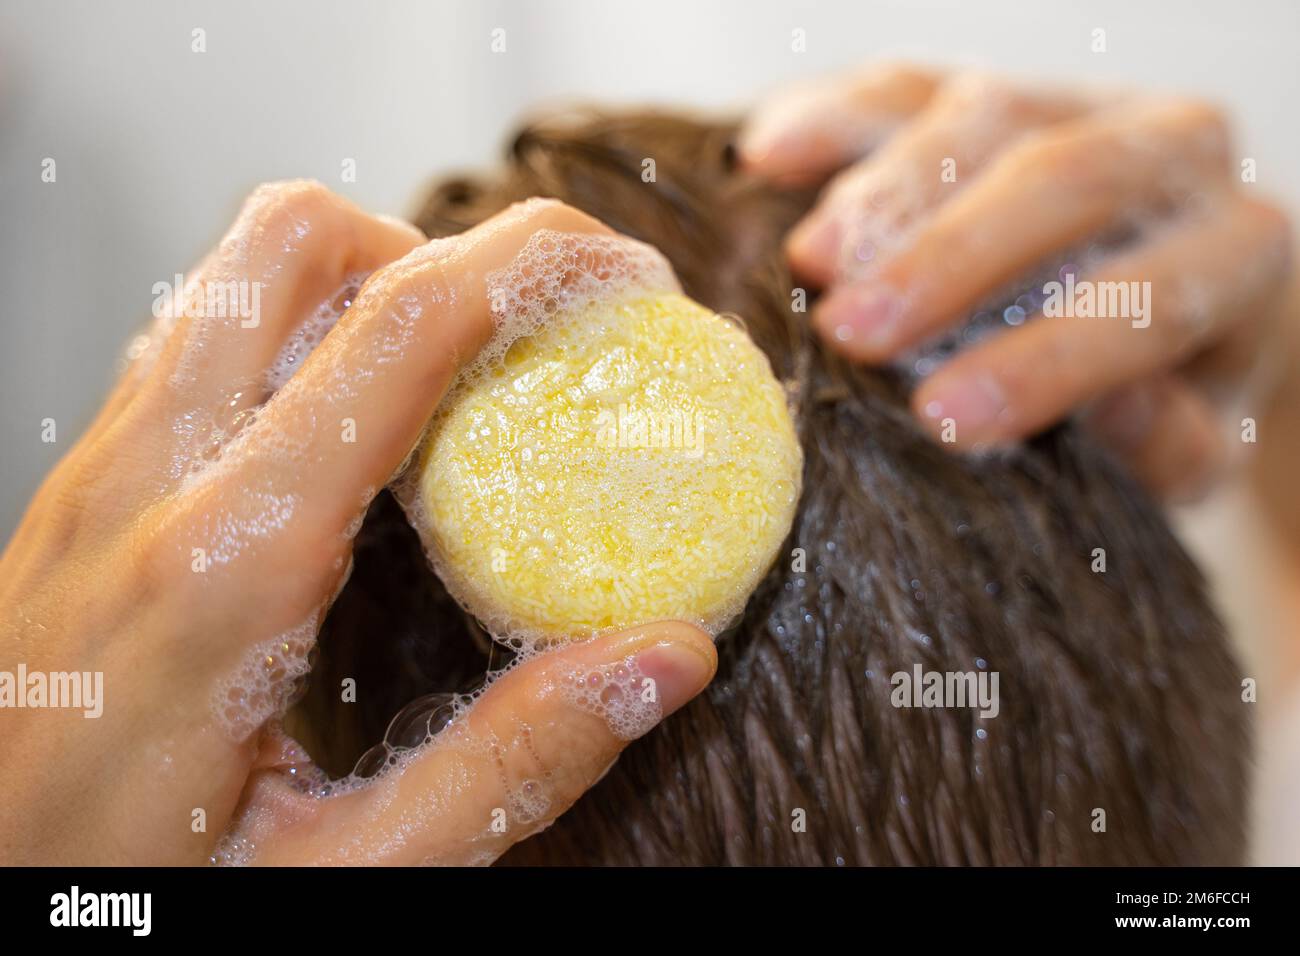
(633, 462)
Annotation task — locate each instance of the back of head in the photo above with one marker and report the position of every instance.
(1119, 735)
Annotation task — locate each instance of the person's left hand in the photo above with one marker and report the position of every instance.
(183, 553)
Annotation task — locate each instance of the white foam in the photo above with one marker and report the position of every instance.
(310, 333)
(615, 692)
(563, 274)
(264, 684)
(618, 694)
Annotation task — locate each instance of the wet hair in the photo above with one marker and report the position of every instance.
(1121, 736)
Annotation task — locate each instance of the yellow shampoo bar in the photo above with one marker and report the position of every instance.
(633, 462)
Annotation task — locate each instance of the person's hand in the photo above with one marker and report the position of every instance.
(968, 186)
(189, 544)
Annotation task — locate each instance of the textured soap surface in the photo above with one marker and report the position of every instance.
(634, 462)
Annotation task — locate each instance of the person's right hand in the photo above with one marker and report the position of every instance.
(958, 187)
(190, 543)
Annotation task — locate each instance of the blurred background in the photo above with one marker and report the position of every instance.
(155, 145)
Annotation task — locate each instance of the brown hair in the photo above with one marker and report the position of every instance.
(1117, 689)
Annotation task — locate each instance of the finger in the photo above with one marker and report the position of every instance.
(288, 252)
(1191, 284)
(540, 737)
(1050, 192)
(804, 133)
(868, 210)
(1276, 410)
(341, 427)
(1247, 360)
(1165, 432)
(273, 518)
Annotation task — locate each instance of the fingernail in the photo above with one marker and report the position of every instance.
(975, 404)
(679, 669)
(864, 317)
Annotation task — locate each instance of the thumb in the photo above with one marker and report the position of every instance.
(535, 742)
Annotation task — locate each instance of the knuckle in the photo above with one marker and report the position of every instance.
(65, 520)
(970, 86)
(216, 537)
(1270, 221)
(987, 107)
(573, 750)
(278, 211)
(586, 743)
(1196, 115)
(293, 195)
(407, 285)
(290, 193)
(164, 548)
(554, 214)
(984, 94)
(152, 554)
(1202, 127)
(900, 72)
(87, 494)
(1039, 152)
